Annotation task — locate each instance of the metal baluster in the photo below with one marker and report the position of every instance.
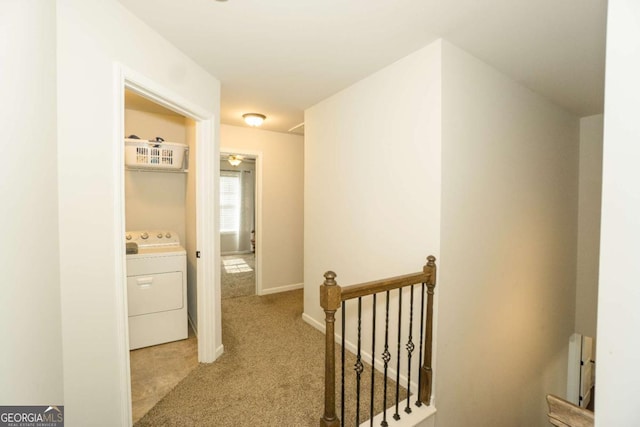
(344, 310)
(410, 347)
(373, 359)
(396, 416)
(358, 367)
(386, 357)
(418, 402)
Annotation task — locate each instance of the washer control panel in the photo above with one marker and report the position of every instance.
(153, 238)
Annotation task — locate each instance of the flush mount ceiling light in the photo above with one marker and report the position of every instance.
(234, 160)
(254, 119)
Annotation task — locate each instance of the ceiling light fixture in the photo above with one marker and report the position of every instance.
(254, 119)
(234, 160)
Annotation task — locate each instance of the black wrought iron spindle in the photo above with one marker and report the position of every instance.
(358, 367)
(344, 310)
(419, 402)
(396, 416)
(410, 347)
(386, 357)
(373, 359)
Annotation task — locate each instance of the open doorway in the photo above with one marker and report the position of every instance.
(160, 221)
(238, 220)
(198, 243)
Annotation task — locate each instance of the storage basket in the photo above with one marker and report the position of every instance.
(143, 154)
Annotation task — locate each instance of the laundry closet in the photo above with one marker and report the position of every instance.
(160, 237)
(160, 180)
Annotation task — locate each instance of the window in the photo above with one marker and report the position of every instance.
(229, 202)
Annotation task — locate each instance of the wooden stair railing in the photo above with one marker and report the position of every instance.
(333, 296)
(563, 413)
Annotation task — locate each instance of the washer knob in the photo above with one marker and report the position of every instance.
(159, 235)
(128, 236)
(168, 235)
(145, 235)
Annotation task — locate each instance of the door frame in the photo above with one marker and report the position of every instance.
(257, 207)
(208, 283)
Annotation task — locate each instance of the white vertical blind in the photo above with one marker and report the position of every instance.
(230, 202)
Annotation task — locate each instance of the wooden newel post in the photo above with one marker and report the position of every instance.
(330, 299)
(426, 376)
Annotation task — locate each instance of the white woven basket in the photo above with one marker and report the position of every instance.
(143, 154)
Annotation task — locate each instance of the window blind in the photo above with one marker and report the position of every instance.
(230, 202)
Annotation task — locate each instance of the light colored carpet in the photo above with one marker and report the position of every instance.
(238, 275)
(271, 374)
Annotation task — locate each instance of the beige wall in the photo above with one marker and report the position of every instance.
(88, 50)
(30, 315)
(155, 200)
(590, 192)
(372, 183)
(509, 232)
(618, 352)
(280, 170)
(165, 200)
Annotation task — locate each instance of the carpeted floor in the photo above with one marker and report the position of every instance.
(238, 275)
(271, 374)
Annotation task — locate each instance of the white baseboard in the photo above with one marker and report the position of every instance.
(313, 322)
(236, 253)
(282, 289)
(422, 416)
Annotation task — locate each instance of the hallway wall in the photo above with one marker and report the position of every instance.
(618, 352)
(589, 208)
(372, 183)
(279, 255)
(509, 233)
(88, 50)
(30, 313)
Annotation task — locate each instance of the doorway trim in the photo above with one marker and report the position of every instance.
(208, 283)
(258, 207)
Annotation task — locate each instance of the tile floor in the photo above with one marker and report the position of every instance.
(157, 369)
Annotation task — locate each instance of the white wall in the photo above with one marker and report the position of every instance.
(91, 38)
(618, 349)
(280, 254)
(590, 192)
(372, 183)
(31, 349)
(507, 274)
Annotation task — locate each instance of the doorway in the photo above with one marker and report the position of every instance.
(202, 247)
(240, 223)
(159, 217)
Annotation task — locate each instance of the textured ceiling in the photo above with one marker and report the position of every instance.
(281, 57)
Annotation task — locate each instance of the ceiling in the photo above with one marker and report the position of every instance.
(280, 57)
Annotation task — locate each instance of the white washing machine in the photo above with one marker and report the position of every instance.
(156, 288)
